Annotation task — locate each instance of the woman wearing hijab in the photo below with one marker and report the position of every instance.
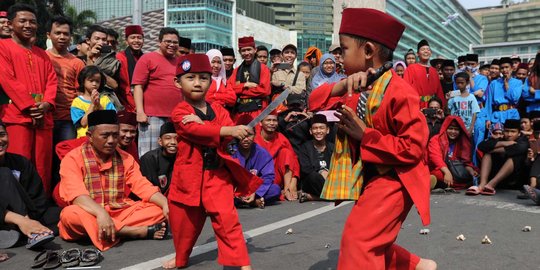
(219, 91)
(399, 68)
(326, 72)
(452, 143)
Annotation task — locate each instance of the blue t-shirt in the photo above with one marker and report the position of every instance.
(464, 107)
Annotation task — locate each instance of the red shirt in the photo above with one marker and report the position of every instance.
(156, 74)
(426, 84)
(225, 95)
(24, 73)
(67, 68)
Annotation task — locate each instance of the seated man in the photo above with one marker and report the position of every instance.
(504, 160)
(24, 207)
(286, 165)
(258, 161)
(292, 122)
(314, 159)
(128, 132)
(93, 177)
(157, 165)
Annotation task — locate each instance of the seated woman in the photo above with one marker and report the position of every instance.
(452, 143)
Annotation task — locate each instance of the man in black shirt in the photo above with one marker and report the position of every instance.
(24, 206)
(157, 164)
(448, 70)
(314, 157)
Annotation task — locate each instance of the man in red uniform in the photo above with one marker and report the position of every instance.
(30, 82)
(423, 77)
(287, 168)
(251, 82)
(5, 31)
(128, 58)
(390, 140)
(202, 181)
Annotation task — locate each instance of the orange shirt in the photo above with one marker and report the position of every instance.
(72, 173)
(67, 68)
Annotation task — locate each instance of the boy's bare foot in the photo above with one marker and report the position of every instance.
(170, 264)
(247, 267)
(426, 264)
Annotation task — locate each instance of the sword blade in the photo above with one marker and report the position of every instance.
(272, 106)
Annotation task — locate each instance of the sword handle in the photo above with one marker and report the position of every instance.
(379, 72)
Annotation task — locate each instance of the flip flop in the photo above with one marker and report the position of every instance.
(303, 197)
(153, 229)
(38, 240)
(40, 259)
(533, 194)
(8, 238)
(90, 256)
(70, 257)
(53, 260)
(450, 190)
(488, 191)
(472, 191)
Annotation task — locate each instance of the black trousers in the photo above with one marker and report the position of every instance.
(313, 183)
(11, 199)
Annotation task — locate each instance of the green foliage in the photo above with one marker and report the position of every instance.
(46, 9)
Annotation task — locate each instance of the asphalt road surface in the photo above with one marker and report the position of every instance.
(316, 232)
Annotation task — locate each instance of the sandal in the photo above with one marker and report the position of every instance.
(151, 231)
(70, 257)
(488, 191)
(303, 197)
(40, 259)
(90, 256)
(53, 260)
(451, 190)
(533, 194)
(438, 191)
(472, 191)
(38, 240)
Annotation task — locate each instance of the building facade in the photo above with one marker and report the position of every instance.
(424, 20)
(208, 23)
(312, 20)
(110, 9)
(340, 5)
(526, 50)
(514, 23)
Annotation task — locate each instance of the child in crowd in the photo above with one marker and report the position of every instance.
(91, 81)
(202, 181)
(464, 105)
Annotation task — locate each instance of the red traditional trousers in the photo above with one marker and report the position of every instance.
(36, 145)
(373, 226)
(188, 221)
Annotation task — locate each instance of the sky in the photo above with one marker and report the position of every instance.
(468, 4)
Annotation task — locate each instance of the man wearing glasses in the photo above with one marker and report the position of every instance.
(154, 92)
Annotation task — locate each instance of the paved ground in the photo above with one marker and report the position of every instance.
(314, 242)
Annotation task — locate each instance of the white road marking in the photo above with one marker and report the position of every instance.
(198, 250)
(502, 205)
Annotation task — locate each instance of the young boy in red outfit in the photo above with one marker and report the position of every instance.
(202, 183)
(389, 133)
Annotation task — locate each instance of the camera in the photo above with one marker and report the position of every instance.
(429, 112)
(106, 49)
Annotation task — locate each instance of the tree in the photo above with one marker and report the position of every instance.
(80, 20)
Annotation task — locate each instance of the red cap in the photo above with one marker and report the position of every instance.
(133, 29)
(246, 42)
(193, 63)
(523, 66)
(3, 14)
(372, 24)
(128, 118)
